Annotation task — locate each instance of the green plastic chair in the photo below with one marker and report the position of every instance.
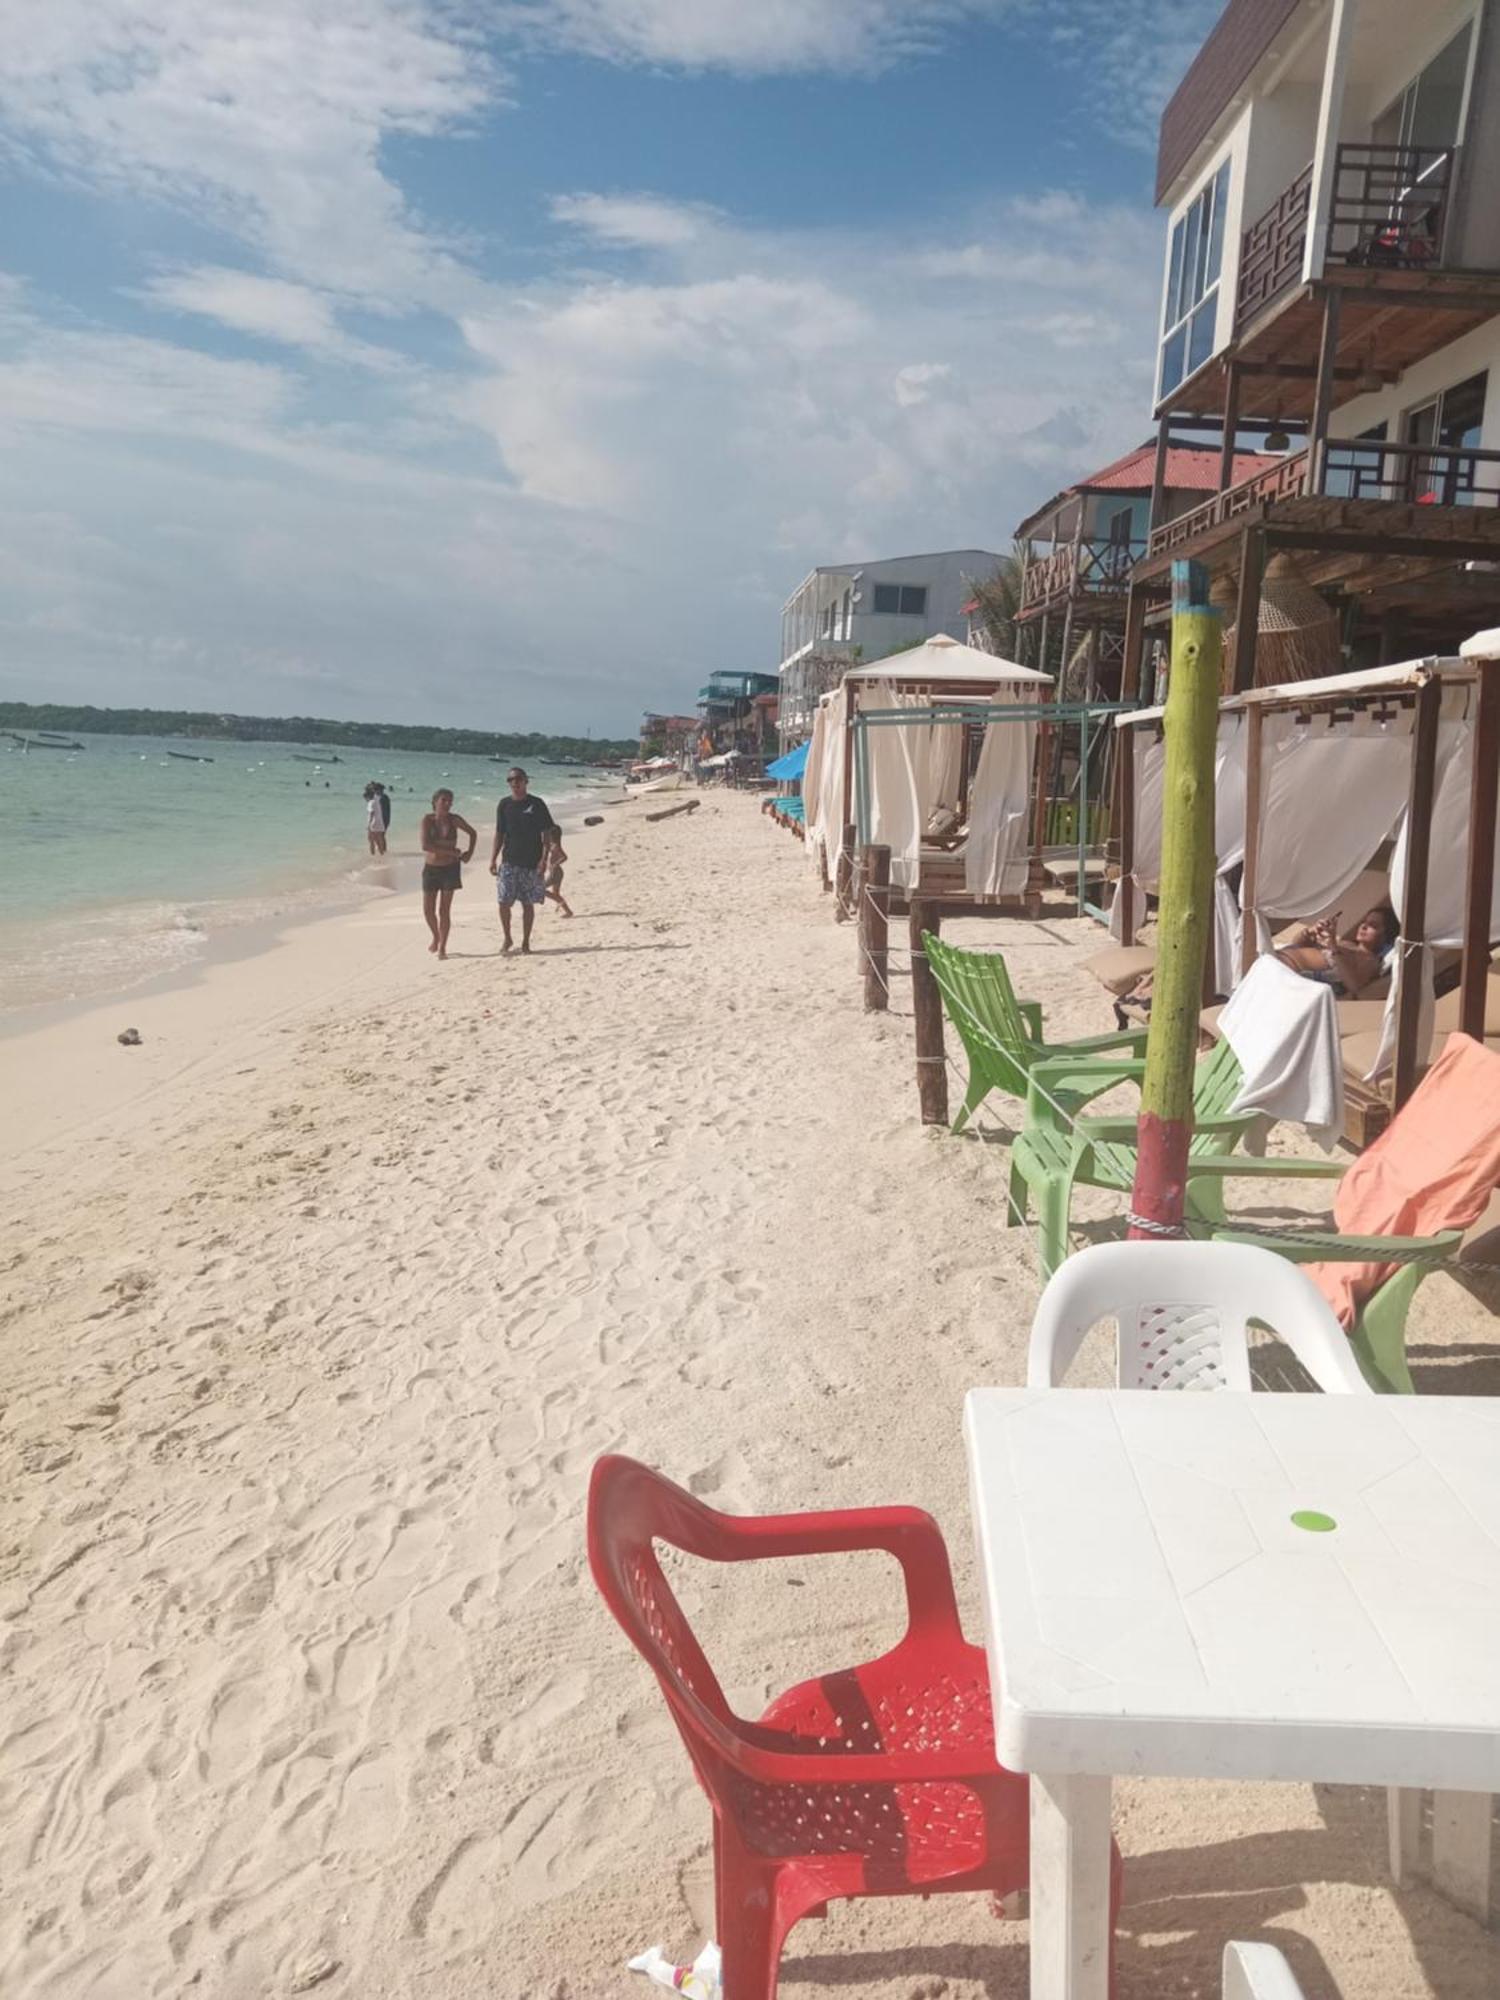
(1060, 1147)
(1001, 1035)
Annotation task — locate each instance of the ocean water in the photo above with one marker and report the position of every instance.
(122, 860)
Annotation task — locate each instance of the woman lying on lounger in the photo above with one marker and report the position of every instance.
(1348, 964)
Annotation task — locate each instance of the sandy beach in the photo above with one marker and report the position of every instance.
(317, 1308)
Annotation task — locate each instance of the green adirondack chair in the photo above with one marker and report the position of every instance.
(1001, 1035)
(1060, 1146)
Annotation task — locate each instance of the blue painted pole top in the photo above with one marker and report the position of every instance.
(1190, 587)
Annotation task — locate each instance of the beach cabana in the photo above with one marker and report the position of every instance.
(1335, 794)
(907, 773)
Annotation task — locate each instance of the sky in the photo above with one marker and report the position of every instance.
(509, 364)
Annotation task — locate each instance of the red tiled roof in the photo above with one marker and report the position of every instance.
(1190, 471)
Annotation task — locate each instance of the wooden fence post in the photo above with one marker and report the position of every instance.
(927, 1012)
(875, 929)
(1184, 909)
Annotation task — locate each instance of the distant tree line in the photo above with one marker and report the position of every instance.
(315, 730)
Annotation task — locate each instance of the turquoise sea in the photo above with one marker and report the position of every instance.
(122, 859)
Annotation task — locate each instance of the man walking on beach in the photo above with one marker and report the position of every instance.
(522, 827)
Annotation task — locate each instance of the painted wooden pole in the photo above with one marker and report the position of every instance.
(1184, 911)
(927, 1017)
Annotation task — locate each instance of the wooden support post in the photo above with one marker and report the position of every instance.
(1392, 635)
(1247, 607)
(927, 1014)
(1036, 874)
(843, 875)
(1125, 796)
(1317, 440)
(1159, 476)
(1479, 892)
(1134, 645)
(1183, 910)
(1250, 873)
(1412, 976)
(1231, 424)
(874, 928)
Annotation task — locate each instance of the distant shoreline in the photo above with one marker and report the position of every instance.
(310, 731)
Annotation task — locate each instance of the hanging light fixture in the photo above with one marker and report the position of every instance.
(1276, 439)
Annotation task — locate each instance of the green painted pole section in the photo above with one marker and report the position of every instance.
(1184, 908)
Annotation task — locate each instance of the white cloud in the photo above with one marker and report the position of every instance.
(754, 37)
(633, 221)
(271, 308)
(266, 116)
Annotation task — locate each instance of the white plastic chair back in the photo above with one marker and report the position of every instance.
(1182, 1310)
(1258, 1972)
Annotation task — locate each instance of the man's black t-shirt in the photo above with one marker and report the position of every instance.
(522, 825)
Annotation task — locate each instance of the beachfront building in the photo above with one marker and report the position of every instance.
(732, 713)
(674, 736)
(845, 613)
(1078, 549)
(1329, 170)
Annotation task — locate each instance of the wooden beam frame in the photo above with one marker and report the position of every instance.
(1480, 883)
(1317, 439)
(1231, 424)
(1159, 473)
(1247, 608)
(1254, 724)
(1413, 975)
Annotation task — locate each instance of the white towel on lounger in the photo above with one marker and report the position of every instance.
(1285, 1031)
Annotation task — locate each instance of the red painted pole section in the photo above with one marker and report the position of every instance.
(1184, 910)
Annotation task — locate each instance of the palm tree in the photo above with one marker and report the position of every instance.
(997, 599)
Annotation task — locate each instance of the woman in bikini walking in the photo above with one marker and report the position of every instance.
(442, 866)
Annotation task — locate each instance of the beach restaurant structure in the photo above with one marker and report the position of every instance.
(931, 754)
(1335, 795)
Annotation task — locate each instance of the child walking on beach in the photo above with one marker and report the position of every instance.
(552, 871)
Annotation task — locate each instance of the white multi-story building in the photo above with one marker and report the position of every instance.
(1331, 175)
(841, 614)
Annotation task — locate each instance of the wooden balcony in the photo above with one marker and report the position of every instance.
(1389, 211)
(1285, 481)
(1390, 260)
(1397, 527)
(1084, 571)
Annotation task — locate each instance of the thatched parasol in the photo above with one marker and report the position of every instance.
(1297, 631)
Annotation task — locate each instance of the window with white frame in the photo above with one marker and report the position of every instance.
(1192, 302)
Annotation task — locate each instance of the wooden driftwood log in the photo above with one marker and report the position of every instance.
(691, 806)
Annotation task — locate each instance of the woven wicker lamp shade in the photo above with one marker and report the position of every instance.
(1297, 631)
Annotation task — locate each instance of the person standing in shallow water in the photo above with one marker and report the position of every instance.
(523, 827)
(442, 865)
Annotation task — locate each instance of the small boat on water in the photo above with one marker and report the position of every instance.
(300, 757)
(48, 743)
(188, 757)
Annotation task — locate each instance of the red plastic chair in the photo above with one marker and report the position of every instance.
(877, 1780)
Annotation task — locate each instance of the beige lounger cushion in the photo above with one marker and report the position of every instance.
(1118, 968)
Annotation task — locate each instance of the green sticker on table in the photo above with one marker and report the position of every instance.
(1315, 1523)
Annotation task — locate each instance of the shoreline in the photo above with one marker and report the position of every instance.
(67, 1072)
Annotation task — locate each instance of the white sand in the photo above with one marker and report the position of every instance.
(317, 1309)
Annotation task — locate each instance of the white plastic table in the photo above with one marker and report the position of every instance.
(1228, 1585)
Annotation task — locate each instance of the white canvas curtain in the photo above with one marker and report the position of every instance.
(896, 767)
(1447, 883)
(1329, 797)
(812, 786)
(997, 852)
(1148, 752)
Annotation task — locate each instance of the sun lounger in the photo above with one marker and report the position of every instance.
(1400, 1208)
